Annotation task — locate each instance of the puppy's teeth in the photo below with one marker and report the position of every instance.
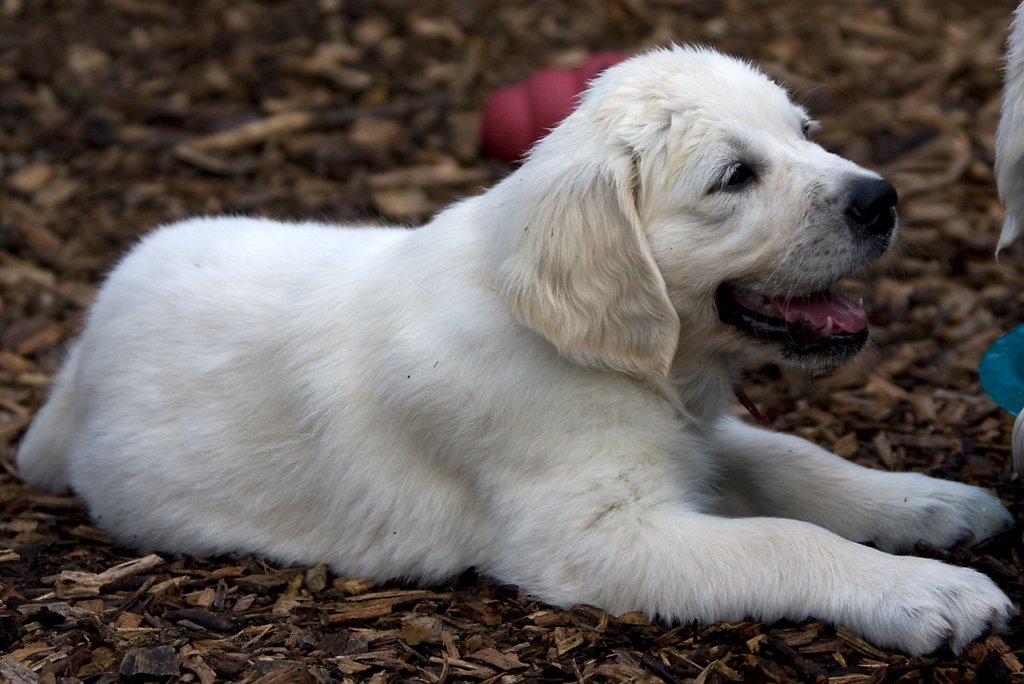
(860, 301)
(828, 324)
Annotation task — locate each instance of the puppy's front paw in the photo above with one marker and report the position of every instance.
(937, 512)
(930, 604)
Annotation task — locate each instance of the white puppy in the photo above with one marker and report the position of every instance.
(535, 383)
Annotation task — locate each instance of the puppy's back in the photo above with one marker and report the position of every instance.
(200, 294)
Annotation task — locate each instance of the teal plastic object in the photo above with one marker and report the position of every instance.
(1002, 370)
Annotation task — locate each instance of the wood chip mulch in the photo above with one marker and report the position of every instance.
(120, 115)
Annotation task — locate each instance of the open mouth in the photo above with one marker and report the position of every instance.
(825, 323)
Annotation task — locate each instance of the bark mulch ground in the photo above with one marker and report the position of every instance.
(120, 115)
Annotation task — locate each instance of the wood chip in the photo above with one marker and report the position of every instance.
(497, 659)
(148, 663)
(360, 612)
(74, 584)
(418, 629)
(32, 178)
(13, 672)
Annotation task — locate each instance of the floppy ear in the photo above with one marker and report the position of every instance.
(578, 268)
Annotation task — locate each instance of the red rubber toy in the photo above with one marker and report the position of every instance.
(518, 115)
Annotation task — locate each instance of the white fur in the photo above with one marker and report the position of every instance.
(1010, 169)
(1010, 137)
(535, 383)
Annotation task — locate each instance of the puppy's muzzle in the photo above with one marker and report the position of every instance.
(871, 208)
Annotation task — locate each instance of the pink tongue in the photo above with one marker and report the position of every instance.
(846, 314)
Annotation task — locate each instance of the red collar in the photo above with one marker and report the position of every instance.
(749, 404)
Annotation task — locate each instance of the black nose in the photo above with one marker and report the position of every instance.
(872, 206)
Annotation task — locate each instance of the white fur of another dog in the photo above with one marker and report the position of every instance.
(1010, 170)
(535, 383)
(1010, 135)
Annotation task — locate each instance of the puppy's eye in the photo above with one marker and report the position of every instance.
(741, 176)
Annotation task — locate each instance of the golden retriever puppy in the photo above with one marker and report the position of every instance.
(535, 383)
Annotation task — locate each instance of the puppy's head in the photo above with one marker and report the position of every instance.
(685, 189)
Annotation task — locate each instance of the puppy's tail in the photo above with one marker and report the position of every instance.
(42, 456)
(1010, 135)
